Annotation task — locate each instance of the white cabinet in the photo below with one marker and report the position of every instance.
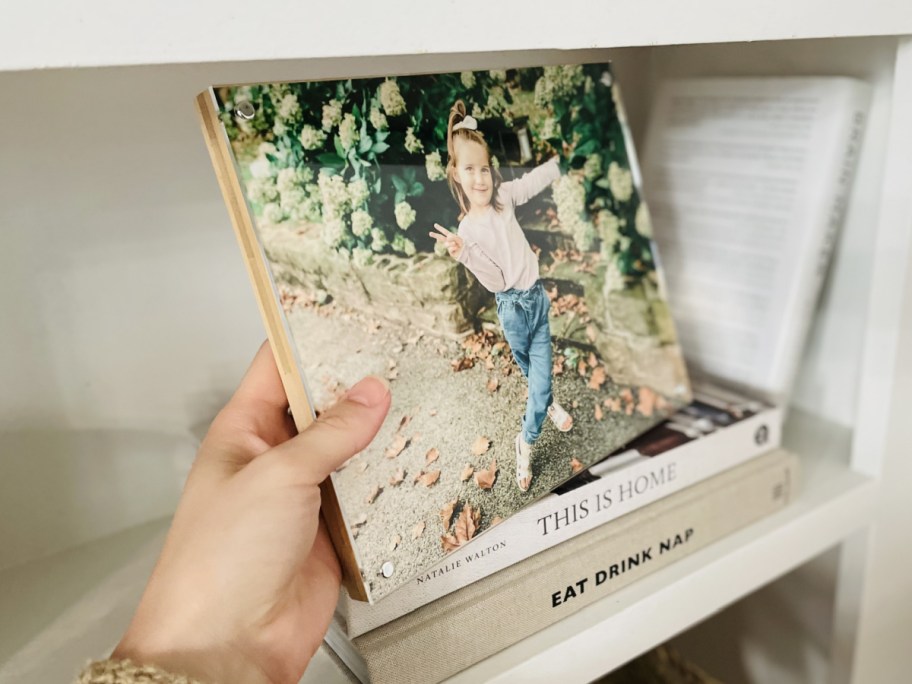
(128, 317)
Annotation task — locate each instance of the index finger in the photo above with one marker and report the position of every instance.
(444, 230)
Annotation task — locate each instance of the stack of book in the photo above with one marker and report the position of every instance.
(747, 181)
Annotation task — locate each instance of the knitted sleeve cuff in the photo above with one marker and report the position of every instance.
(128, 672)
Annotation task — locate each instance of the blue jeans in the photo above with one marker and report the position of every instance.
(524, 318)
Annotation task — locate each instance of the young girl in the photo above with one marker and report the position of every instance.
(492, 245)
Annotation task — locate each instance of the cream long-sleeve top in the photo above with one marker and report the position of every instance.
(495, 248)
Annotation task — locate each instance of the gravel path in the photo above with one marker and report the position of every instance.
(435, 407)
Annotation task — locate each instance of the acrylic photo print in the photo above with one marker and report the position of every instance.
(480, 240)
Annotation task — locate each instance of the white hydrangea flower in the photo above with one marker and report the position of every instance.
(614, 279)
(550, 128)
(334, 196)
(434, 165)
(348, 132)
(333, 231)
(412, 143)
(498, 75)
(391, 98)
(291, 177)
(291, 198)
(311, 137)
(467, 78)
(332, 114)
(362, 256)
(405, 215)
(557, 82)
(273, 213)
(592, 169)
(289, 109)
(311, 209)
(570, 197)
(643, 221)
(279, 127)
(608, 227)
(620, 182)
(261, 168)
(403, 245)
(265, 148)
(262, 190)
(358, 192)
(361, 222)
(378, 240)
(378, 119)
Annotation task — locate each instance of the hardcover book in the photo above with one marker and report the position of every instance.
(719, 430)
(749, 180)
(445, 637)
(480, 240)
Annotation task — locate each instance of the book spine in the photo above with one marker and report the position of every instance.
(507, 607)
(558, 518)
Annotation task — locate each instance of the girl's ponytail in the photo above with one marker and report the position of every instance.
(457, 114)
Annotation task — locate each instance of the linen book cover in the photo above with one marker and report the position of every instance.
(480, 240)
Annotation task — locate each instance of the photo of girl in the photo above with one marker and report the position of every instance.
(479, 240)
(491, 244)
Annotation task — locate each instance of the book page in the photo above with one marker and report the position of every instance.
(741, 176)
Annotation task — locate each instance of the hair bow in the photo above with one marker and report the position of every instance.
(469, 122)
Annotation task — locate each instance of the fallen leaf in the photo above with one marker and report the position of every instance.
(597, 379)
(492, 385)
(557, 368)
(405, 420)
(394, 449)
(613, 404)
(430, 478)
(506, 370)
(397, 478)
(467, 523)
(462, 364)
(375, 492)
(432, 455)
(480, 446)
(417, 476)
(647, 402)
(592, 360)
(575, 465)
(446, 514)
(496, 521)
(449, 542)
(626, 396)
(485, 478)
(489, 363)
(417, 530)
(598, 412)
(581, 367)
(466, 473)
(394, 542)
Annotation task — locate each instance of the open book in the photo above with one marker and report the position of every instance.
(747, 180)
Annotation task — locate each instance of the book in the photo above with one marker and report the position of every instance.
(717, 431)
(545, 588)
(357, 228)
(748, 182)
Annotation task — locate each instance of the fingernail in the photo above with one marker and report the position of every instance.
(369, 392)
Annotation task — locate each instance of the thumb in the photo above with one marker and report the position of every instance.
(339, 433)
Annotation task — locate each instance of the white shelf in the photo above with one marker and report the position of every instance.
(834, 501)
(45, 34)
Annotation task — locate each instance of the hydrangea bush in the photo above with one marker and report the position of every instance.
(366, 158)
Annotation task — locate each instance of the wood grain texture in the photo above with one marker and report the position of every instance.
(279, 339)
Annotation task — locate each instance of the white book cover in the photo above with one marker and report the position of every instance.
(717, 431)
(748, 180)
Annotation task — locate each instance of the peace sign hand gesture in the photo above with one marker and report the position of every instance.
(453, 242)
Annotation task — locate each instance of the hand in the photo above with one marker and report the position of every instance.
(453, 242)
(247, 581)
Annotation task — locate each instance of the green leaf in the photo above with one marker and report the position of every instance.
(330, 159)
(379, 147)
(417, 190)
(356, 110)
(399, 184)
(377, 186)
(381, 136)
(603, 182)
(337, 143)
(365, 144)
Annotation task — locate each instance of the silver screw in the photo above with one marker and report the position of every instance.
(245, 110)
